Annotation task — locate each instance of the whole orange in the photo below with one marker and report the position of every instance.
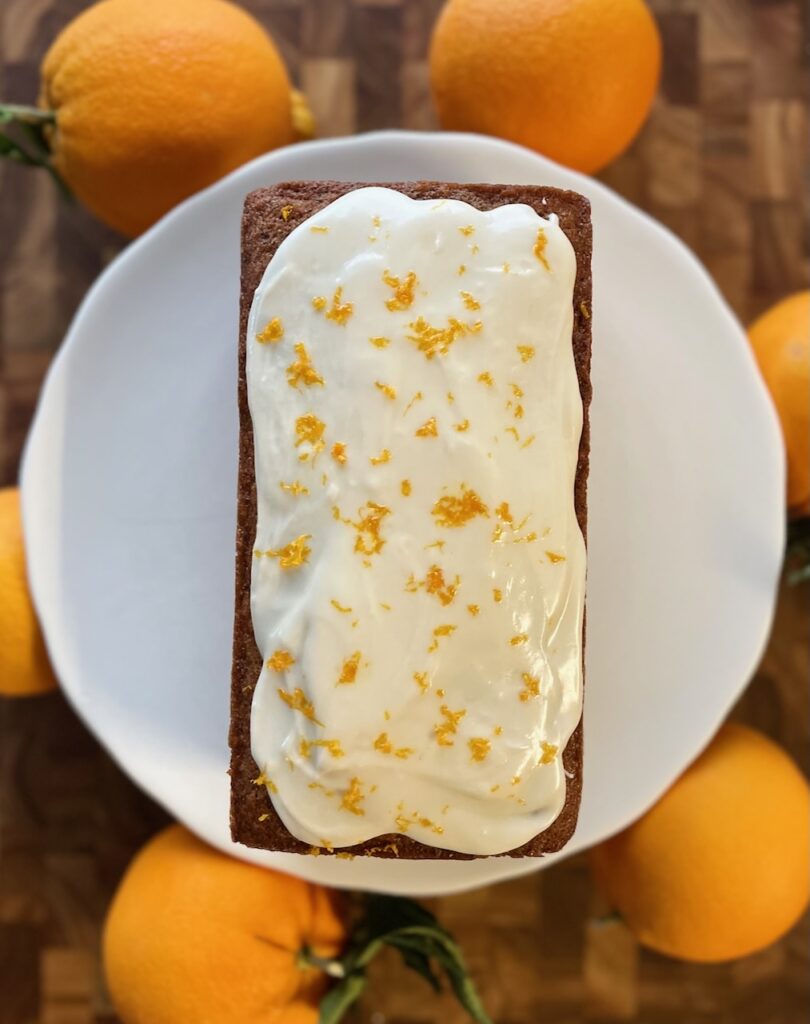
(24, 666)
(196, 937)
(719, 867)
(781, 342)
(155, 99)
(572, 79)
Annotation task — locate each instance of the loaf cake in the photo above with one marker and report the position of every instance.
(413, 387)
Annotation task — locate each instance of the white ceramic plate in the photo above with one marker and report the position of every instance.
(129, 483)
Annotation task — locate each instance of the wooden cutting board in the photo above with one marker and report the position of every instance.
(722, 163)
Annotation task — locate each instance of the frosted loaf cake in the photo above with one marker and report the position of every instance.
(408, 649)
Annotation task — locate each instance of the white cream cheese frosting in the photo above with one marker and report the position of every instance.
(418, 575)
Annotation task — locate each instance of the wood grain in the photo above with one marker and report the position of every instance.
(722, 162)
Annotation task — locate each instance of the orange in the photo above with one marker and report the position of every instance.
(196, 937)
(24, 666)
(155, 99)
(781, 342)
(572, 79)
(719, 867)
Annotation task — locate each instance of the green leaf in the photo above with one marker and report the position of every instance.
(340, 997)
(364, 954)
(419, 939)
(440, 946)
(29, 143)
(421, 942)
(387, 913)
(449, 956)
(414, 956)
(25, 115)
(10, 148)
(34, 133)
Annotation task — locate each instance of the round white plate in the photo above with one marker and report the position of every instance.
(129, 485)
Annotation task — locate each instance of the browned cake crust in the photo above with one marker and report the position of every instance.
(270, 214)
